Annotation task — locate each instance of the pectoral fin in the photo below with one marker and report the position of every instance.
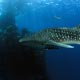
(60, 44)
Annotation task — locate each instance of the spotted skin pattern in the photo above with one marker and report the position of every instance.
(58, 35)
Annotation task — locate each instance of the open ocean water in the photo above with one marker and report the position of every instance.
(35, 15)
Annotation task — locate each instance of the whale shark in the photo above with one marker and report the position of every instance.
(51, 37)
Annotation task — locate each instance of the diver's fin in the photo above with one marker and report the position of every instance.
(60, 44)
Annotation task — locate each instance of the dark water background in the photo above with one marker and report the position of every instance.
(62, 64)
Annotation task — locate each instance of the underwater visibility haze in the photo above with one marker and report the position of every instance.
(51, 26)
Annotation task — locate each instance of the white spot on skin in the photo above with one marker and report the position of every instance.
(74, 39)
(68, 36)
(57, 36)
(63, 37)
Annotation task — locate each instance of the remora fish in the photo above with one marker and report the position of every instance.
(61, 37)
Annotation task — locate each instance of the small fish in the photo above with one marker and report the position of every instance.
(57, 17)
(60, 37)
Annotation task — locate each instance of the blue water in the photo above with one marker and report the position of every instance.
(62, 64)
(41, 14)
